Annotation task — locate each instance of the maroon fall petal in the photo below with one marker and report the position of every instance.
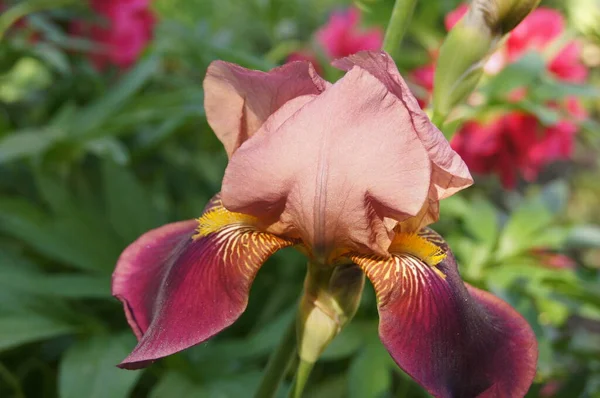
(179, 291)
(453, 339)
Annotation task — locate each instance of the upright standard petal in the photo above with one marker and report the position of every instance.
(336, 166)
(449, 174)
(184, 282)
(453, 339)
(237, 100)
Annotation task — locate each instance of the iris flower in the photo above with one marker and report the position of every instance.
(350, 173)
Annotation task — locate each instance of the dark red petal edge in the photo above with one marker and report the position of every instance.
(177, 292)
(454, 340)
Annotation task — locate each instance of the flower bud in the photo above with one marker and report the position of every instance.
(330, 300)
(467, 47)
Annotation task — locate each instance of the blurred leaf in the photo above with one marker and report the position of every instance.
(258, 344)
(27, 143)
(110, 148)
(481, 221)
(521, 73)
(551, 89)
(584, 236)
(26, 77)
(130, 209)
(93, 116)
(88, 368)
(369, 374)
(530, 217)
(67, 239)
(549, 238)
(57, 285)
(175, 384)
(345, 344)
(545, 113)
(555, 195)
(331, 387)
(25, 328)
(52, 56)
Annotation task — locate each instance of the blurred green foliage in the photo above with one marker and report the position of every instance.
(89, 161)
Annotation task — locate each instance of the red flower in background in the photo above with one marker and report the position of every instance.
(342, 36)
(125, 29)
(516, 143)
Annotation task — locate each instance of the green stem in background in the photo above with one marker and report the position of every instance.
(13, 14)
(401, 15)
(278, 363)
(302, 374)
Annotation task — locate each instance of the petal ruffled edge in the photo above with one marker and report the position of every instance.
(453, 339)
(449, 173)
(179, 289)
(237, 100)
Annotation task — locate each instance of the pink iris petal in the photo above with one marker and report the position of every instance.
(343, 161)
(177, 292)
(449, 174)
(238, 101)
(341, 36)
(453, 339)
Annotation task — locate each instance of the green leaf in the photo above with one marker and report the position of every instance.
(175, 384)
(345, 344)
(529, 219)
(27, 143)
(55, 285)
(369, 374)
(68, 238)
(88, 368)
(92, 117)
(584, 236)
(110, 148)
(20, 329)
(551, 89)
(547, 115)
(518, 74)
(129, 206)
(481, 221)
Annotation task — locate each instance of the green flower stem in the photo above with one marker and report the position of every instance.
(278, 363)
(401, 15)
(13, 14)
(302, 374)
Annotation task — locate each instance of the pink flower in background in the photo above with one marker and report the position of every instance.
(537, 32)
(552, 260)
(517, 144)
(455, 15)
(342, 36)
(126, 28)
